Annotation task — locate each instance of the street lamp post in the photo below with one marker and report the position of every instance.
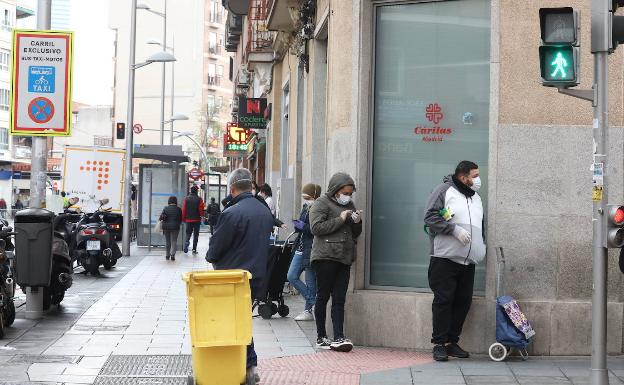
(160, 57)
(164, 68)
(172, 48)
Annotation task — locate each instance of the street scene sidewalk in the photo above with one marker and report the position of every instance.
(129, 326)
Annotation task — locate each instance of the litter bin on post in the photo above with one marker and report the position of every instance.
(33, 247)
(33, 256)
(219, 310)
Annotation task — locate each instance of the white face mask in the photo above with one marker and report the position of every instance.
(253, 192)
(307, 203)
(476, 184)
(343, 199)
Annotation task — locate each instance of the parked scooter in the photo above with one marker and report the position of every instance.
(7, 284)
(95, 243)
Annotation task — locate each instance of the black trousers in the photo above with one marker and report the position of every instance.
(332, 279)
(452, 286)
(192, 228)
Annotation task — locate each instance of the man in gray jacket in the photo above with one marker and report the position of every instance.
(454, 217)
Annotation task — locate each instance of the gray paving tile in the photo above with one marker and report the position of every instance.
(490, 380)
(390, 377)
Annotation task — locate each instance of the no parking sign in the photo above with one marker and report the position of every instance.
(41, 83)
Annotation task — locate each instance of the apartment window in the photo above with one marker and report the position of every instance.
(212, 75)
(4, 99)
(212, 43)
(7, 21)
(215, 12)
(219, 71)
(210, 104)
(219, 102)
(5, 55)
(4, 138)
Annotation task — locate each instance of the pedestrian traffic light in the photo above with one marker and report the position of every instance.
(559, 51)
(121, 130)
(615, 226)
(617, 25)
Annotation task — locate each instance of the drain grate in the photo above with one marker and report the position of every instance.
(147, 366)
(34, 359)
(142, 381)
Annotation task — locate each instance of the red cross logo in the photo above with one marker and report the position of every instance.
(434, 113)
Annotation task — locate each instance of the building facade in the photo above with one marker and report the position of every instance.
(195, 32)
(396, 93)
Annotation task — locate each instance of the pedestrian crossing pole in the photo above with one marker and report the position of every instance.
(600, 48)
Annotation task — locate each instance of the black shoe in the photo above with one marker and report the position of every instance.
(173, 258)
(439, 353)
(194, 251)
(453, 350)
(341, 345)
(167, 257)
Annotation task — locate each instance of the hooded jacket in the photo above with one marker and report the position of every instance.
(467, 212)
(334, 239)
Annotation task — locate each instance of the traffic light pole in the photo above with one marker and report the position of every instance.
(600, 49)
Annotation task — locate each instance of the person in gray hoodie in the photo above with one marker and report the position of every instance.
(454, 217)
(335, 224)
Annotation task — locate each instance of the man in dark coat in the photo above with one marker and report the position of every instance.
(241, 239)
(213, 214)
(192, 213)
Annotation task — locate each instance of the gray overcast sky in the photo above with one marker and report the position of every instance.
(93, 52)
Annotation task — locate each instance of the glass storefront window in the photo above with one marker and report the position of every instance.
(432, 97)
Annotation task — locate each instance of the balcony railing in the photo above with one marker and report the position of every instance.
(260, 39)
(215, 16)
(214, 50)
(214, 80)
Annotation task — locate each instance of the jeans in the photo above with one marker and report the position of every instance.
(332, 278)
(171, 241)
(452, 285)
(191, 228)
(307, 289)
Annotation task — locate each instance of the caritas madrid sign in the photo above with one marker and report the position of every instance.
(251, 113)
(433, 133)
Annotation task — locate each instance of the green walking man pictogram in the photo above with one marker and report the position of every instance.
(561, 63)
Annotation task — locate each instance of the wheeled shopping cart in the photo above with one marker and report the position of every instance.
(270, 300)
(513, 330)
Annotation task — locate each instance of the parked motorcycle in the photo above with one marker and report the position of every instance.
(7, 284)
(95, 243)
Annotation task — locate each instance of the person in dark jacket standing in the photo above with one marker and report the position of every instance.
(241, 239)
(336, 224)
(302, 250)
(192, 213)
(171, 218)
(213, 214)
(454, 215)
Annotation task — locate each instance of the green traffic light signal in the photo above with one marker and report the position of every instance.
(558, 65)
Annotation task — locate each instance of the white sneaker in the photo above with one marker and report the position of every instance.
(305, 315)
(342, 345)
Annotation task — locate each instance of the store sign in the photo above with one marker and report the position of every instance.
(196, 173)
(433, 133)
(235, 141)
(251, 112)
(41, 83)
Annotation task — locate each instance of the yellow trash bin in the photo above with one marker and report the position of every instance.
(219, 309)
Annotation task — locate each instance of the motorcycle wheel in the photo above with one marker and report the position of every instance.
(93, 269)
(56, 298)
(10, 316)
(114, 262)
